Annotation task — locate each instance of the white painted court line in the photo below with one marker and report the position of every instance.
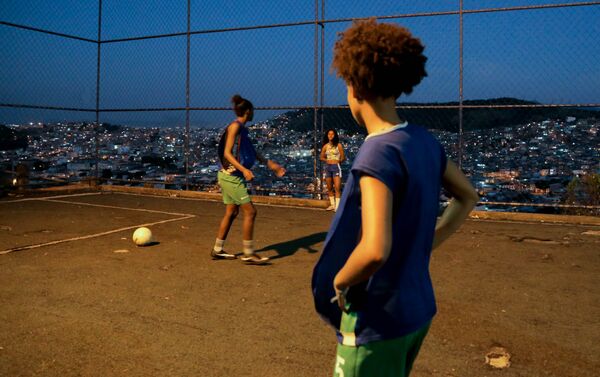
(54, 199)
(49, 197)
(19, 248)
(117, 207)
(165, 197)
(218, 201)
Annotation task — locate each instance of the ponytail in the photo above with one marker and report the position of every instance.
(241, 105)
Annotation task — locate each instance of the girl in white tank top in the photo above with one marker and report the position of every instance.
(332, 154)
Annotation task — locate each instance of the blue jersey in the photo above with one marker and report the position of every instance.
(398, 299)
(243, 150)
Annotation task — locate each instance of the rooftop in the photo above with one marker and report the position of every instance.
(79, 298)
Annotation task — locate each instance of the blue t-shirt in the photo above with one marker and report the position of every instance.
(398, 299)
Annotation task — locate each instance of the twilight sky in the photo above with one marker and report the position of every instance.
(547, 55)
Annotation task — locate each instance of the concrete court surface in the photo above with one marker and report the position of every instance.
(73, 306)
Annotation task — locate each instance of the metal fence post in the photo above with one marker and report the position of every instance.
(187, 100)
(315, 99)
(322, 88)
(460, 85)
(97, 126)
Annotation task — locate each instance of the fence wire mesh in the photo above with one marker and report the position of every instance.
(140, 90)
(45, 66)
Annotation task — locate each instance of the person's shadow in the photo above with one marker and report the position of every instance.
(287, 248)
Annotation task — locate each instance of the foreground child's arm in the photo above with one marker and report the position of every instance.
(464, 199)
(375, 243)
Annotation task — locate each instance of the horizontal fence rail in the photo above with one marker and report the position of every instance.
(351, 19)
(48, 32)
(291, 107)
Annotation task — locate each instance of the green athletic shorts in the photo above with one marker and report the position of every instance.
(384, 358)
(233, 188)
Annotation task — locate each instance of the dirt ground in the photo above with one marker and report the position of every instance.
(79, 308)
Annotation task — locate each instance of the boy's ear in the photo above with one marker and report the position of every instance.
(354, 94)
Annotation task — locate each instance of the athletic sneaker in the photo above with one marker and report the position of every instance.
(221, 254)
(254, 259)
(330, 208)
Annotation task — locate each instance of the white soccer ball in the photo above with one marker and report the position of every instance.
(142, 236)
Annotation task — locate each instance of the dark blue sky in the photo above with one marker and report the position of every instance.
(549, 55)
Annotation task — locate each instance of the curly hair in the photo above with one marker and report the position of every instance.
(336, 138)
(241, 105)
(379, 59)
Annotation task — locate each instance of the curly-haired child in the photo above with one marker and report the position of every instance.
(374, 288)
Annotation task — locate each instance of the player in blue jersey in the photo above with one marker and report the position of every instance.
(237, 156)
(372, 281)
(332, 154)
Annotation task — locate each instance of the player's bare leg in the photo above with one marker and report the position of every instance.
(337, 182)
(231, 212)
(250, 257)
(330, 194)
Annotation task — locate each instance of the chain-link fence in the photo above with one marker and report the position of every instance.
(138, 92)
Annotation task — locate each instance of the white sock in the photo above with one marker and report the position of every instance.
(332, 201)
(219, 245)
(248, 246)
(337, 203)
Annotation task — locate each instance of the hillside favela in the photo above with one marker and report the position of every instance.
(518, 162)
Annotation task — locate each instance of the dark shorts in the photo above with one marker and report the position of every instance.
(332, 170)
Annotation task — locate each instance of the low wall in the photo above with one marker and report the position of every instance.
(535, 217)
(310, 203)
(272, 200)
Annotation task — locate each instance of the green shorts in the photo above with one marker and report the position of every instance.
(384, 358)
(233, 188)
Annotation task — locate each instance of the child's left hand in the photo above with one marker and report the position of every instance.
(340, 297)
